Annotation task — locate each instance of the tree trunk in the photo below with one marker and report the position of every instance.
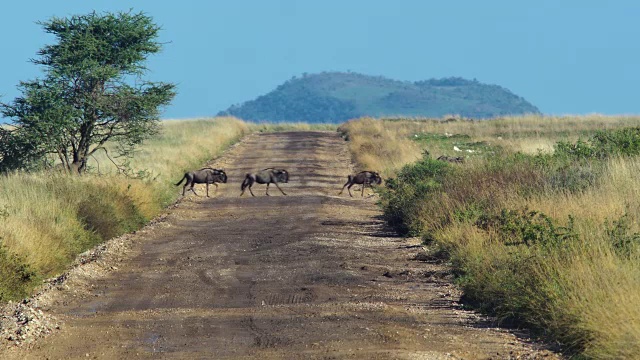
(79, 164)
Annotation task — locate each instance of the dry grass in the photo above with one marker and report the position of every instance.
(585, 294)
(180, 145)
(527, 134)
(380, 146)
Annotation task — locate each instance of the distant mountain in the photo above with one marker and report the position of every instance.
(337, 97)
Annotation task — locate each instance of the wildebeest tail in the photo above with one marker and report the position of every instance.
(246, 182)
(181, 180)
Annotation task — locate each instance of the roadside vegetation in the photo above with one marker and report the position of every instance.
(47, 217)
(540, 224)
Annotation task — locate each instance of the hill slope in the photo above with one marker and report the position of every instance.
(336, 97)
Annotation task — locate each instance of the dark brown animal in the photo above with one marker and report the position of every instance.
(203, 176)
(451, 159)
(364, 178)
(266, 176)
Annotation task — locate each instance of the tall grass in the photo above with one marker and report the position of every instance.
(528, 134)
(47, 218)
(180, 146)
(377, 146)
(578, 278)
(549, 240)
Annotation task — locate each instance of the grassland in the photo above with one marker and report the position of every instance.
(541, 223)
(48, 218)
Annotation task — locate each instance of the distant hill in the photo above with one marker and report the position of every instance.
(337, 97)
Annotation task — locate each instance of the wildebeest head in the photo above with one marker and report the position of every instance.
(222, 175)
(280, 175)
(376, 178)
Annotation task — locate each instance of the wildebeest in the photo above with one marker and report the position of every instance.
(205, 175)
(364, 178)
(266, 176)
(451, 159)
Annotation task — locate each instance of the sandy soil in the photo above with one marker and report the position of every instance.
(311, 275)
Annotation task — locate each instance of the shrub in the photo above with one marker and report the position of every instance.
(603, 144)
(531, 228)
(625, 142)
(403, 196)
(624, 242)
(16, 277)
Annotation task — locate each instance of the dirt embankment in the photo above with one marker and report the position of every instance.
(308, 275)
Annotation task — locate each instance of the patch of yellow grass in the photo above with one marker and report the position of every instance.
(527, 134)
(602, 291)
(378, 146)
(180, 145)
(617, 193)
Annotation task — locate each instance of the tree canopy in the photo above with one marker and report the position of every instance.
(92, 92)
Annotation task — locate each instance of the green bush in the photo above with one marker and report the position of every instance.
(622, 239)
(603, 144)
(525, 227)
(499, 286)
(16, 278)
(403, 196)
(624, 142)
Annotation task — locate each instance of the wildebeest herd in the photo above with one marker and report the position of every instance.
(267, 176)
(275, 176)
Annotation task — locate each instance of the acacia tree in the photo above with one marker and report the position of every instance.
(92, 92)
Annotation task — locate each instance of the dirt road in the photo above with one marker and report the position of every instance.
(311, 275)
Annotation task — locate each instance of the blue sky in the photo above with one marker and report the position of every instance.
(566, 57)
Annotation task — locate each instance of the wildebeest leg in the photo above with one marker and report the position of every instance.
(207, 189)
(193, 189)
(248, 187)
(247, 183)
(343, 186)
(362, 193)
(349, 189)
(276, 184)
(268, 189)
